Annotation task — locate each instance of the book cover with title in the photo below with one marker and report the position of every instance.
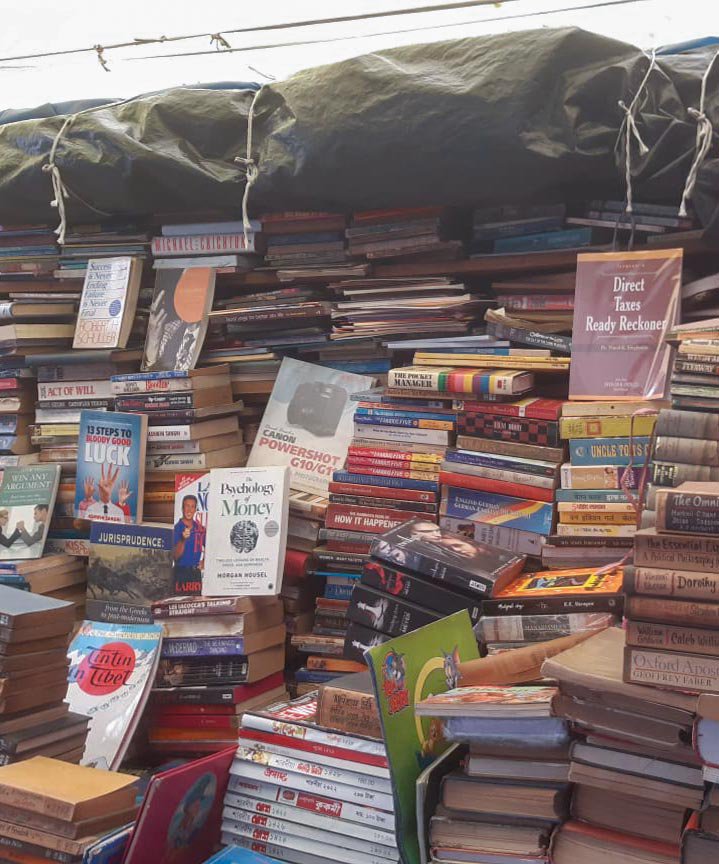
(625, 304)
(248, 513)
(27, 499)
(190, 531)
(308, 423)
(110, 466)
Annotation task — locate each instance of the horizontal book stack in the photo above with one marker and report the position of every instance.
(550, 604)
(414, 233)
(83, 243)
(18, 392)
(220, 245)
(192, 419)
(419, 573)
(304, 239)
(545, 301)
(608, 446)
(298, 595)
(510, 230)
(52, 811)
(304, 793)
(220, 657)
(607, 218)
(671, 609)
(512, 792)
(34, 718)
(699, 297)
(635, 773)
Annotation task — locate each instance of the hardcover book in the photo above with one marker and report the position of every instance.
(110, 466)
(308, 423)
(190, 532)
(625, 304)
(421, 546)
(27, 499)
(181, 303)
(248, 510)
(129, 568)
(109, 300)
(112, 668)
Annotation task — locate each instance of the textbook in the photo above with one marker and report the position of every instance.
(110, 466)
(178, 321)
(109, 300)
(112, 667)
(27, 499)
(248, 511)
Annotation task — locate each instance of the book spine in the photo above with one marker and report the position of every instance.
(350, 753)
(583, 603)
(510, 448)
(392, 482)
(684, 613)
(672, 474)
(371, 519)
(660, 636)
(693, 513)
(209, 647)
(489, 460)
(511, 539)
(687, 424)
(590, 496)
(154, 403)
(569, 530)
(312, 803)
(501, 487)
(599, 477)
(565, 239)
(501, 474)
(663, 582)
(389, 615)
(610, 451)
(478, 506)
(404, 586)
(693, 451)
(593, 517)
(321, 819)
(73, 390)
(361, 466)
(672, 670)
(532, 338)
(310, 777)
(386, 455)
(693, 553)
(535, 409)
(399, 494)
(400, 433)
(540, 628)
(606, 427)
(14, 847)
(202, 244)
(525, 431)
(368, 501)
(294, 850)
(355, 713)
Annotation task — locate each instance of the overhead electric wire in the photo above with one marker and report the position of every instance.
(596, 5)
(312, 22)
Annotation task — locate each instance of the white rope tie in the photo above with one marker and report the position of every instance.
(704, 137)
(629, 130)
(58, 187)
(250, 168)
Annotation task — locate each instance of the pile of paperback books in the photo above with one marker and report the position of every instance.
(299, 790)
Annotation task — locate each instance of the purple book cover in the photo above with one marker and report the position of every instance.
(625, 303)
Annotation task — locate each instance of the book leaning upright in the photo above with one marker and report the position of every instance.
(248, 512)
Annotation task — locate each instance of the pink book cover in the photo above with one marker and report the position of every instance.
(179, 820)
(625, 303)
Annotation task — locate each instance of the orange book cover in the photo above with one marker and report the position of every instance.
(607, 837)
(548, 583)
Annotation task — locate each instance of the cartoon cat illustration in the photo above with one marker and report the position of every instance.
(451, 668)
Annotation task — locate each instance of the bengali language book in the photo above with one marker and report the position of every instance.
(112, 667)
(111, 466)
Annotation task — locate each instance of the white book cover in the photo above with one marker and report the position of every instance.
(248, 510)
(106, 295)
(112, 667)
(308, 423)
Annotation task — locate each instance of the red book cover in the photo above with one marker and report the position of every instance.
(535, 408)
(483, 484)
(179, 820)
(373, 519)
(625, 304)
(171, 720)
(364, 466)
(383, 492)
(296, 563)
(337, 546)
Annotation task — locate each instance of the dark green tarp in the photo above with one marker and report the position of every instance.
(528, 116)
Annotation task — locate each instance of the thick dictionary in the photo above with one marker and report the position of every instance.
(648, 634)
(693, 451)
(686, 551)
(668, 582)
(688, 424)
(694, 673)
(672, 611)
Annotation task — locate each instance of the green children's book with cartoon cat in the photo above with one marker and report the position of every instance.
(405, 671)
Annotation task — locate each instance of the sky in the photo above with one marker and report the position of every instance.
(34, 26)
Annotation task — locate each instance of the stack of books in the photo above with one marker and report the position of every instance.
(192, 420)
(693, 383)
(545, 605)
(220, 657)
(304, 239)
(604, 218)
(634, 771)
(17, 402)
(34, 718)
(299, 789)
(111, 240)
(671, 609)
(542, 300)
(220, 245)
(699, 297)
(513, 791)
(27, 252)
(608, 449)
(50, 810)
(418, 574)
(425, 233)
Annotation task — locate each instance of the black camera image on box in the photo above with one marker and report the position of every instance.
(317, 407)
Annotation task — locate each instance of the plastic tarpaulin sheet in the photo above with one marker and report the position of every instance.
(521, 117)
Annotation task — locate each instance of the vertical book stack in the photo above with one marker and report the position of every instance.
(304, 793)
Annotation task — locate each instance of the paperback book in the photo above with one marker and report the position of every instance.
(190, 532)
(27, 499)
(110, 466)
(109, 300)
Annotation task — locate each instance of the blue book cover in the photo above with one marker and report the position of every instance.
(338, 592)
(236, 855)
(335, 574)
(519, 228)
(362, 367)
(389, 413)
(530, 732)
(204, 647)
(568, 239)
(7, 442)
(509, 463)
(609, 451)
(152, 376)
(388, 482)
(314, 676)
(8, 424)
(492, 509)
(110, 848)
(111, 466)
(379, 395)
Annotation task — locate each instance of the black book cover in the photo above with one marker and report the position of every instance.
(387, 614)
(555, 605)
(358, 640)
